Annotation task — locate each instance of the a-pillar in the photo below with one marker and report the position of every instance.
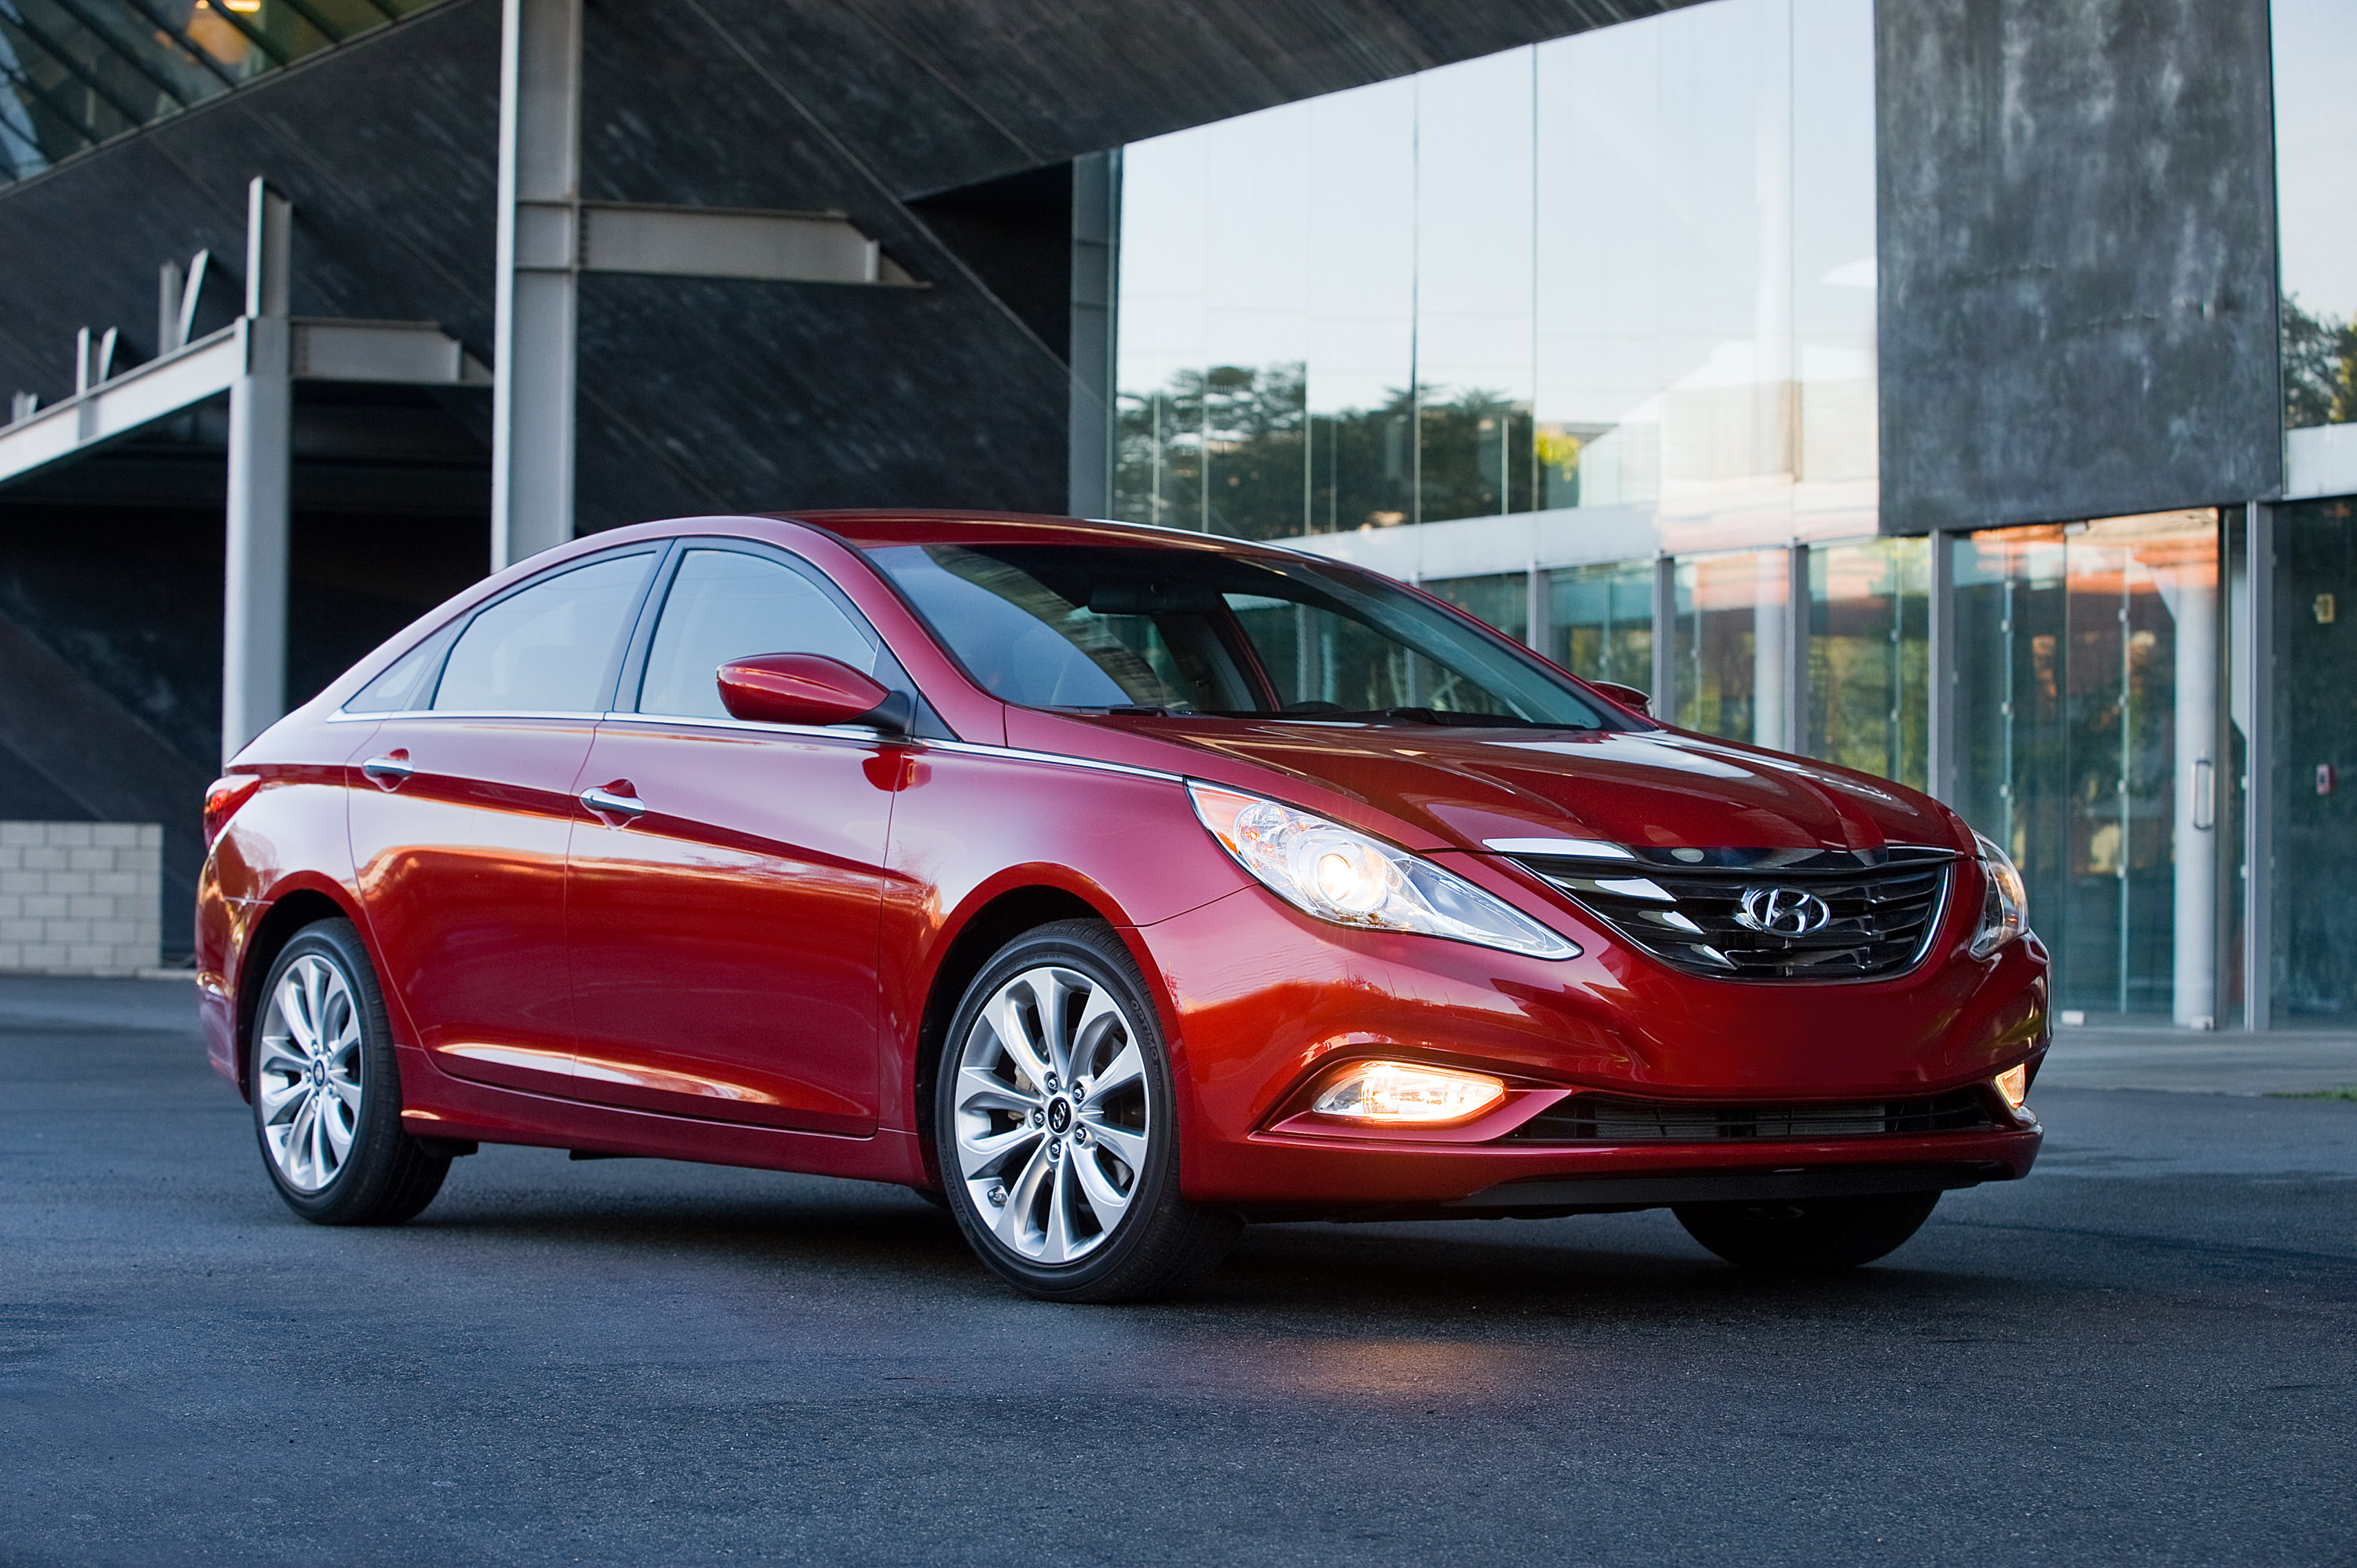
(532, 381)
(261, 439)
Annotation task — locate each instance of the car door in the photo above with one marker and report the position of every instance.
(460, 826)
(724, 903)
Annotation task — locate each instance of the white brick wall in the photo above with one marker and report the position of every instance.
(80, 898)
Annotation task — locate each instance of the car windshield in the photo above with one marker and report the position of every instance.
(1141, 629)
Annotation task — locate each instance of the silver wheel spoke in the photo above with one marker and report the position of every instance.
(980, 1092)
(1099, 1017)
(1014, 1220)
(1125, 1070)
(1106, 1201)
(339, 1132)
(1005, 1020)
(982, 1151)
(1128, 1147)
(275, 1090)
(1052, 996)
(1056, 1242)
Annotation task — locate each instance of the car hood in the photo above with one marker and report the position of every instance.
(1660, 789)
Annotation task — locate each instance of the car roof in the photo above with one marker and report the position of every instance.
(865, 530)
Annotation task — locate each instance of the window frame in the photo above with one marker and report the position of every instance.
(454, 630)
(630, 676)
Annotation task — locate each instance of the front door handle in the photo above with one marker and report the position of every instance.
(388, 771)
(614, 800)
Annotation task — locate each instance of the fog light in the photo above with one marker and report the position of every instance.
(2014, 1084)
(1408, 1092)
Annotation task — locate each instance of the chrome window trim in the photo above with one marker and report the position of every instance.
(340, 718)
(806, 732)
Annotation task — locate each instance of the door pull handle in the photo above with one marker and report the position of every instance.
(388, 771)
(608, 803)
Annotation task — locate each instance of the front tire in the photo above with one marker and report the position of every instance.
(1816, 1235)
(327, 1090)
(1055, 1125)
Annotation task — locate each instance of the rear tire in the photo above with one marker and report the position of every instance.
(1054, 1119)
(1816, 1235)
(327, 1090)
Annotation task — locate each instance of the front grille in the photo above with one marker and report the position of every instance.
(1612, 1118)
(1864, 920)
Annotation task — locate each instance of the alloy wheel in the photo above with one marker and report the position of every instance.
(1055, 1114)
(307, 1074)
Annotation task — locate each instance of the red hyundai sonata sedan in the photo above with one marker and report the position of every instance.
(1115, 885)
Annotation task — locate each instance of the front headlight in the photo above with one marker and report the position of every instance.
(1330, 871)
(2005, 908)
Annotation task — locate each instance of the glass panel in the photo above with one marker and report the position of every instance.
(1503, 601)
(1256, 323)
(1628, 269)
(1728, 658)
(725, 605)
(548, 648)
(1473, 288)
(74, 72)
(2316, 200)
(2316, 763)
(1835, 489)
(1665, 358)
(1870, 657)
(2087, 678)
(1362, 309)
(1159, 476)
(1253, 249)
(1601, 621)
(396, 691)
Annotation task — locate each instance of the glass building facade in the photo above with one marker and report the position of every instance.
(75, 73)
(1582, 337)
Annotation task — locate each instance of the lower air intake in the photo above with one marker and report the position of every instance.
(1612, 1118)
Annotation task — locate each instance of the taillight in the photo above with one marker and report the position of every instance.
(222, 797)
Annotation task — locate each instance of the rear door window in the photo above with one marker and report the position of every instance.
(549, 649)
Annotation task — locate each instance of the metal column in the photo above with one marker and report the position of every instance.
(261, 439)
(1796, 650)
(1096, 274)
(1939, 695)
(532, 381)
(2254, 675)
(1665, 640)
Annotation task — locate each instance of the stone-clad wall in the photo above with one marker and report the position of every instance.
(80, 898)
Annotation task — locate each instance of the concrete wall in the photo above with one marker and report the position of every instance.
(2077, 258)
(80, 897)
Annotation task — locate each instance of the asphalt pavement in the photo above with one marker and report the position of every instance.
(2146, 1353)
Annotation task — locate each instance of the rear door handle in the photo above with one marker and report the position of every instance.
(388, 771)
(607, 803)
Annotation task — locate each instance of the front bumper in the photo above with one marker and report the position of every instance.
(1264, 1001)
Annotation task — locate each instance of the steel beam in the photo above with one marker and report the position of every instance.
(1096, 252)
(261, 445)
(1940, 694)
(1665, 640)
(534, 372)
(2253, 663)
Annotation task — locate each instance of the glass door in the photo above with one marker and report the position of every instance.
(2087, 664)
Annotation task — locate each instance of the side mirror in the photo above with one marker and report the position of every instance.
(1627, 696)
(807, 689)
